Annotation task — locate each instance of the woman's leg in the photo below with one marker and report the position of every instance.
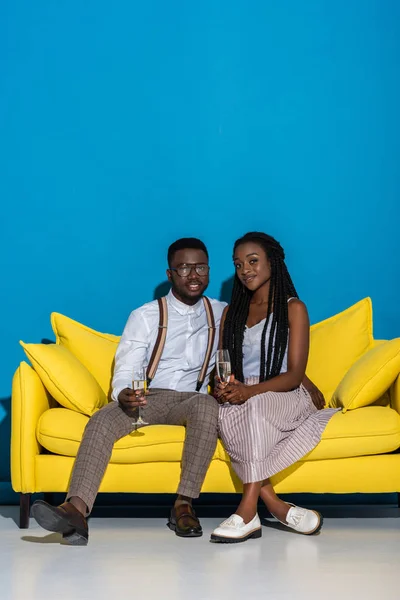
(247, 508)
(234, 529)
(300, 519)
(277, 507)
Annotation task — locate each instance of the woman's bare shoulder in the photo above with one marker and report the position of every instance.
(297, 309)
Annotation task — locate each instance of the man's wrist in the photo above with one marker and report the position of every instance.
(116, 392)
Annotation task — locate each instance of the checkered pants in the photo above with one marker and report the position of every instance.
(197, 412)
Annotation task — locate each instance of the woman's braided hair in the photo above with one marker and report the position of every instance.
(281, 289)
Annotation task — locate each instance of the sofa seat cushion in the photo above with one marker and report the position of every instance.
(361, 432)
(60, 431)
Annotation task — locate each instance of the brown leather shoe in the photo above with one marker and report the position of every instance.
(184, 522)
(65, 519)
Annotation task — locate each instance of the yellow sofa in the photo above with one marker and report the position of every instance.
(357, 452)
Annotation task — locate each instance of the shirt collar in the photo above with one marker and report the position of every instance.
(184, 309)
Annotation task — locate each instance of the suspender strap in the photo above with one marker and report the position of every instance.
(162, 336)
(160, 341)
(210, 343)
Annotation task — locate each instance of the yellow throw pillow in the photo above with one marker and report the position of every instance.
(94, 350)
(337, 343)
(369, 378)
(65, 378)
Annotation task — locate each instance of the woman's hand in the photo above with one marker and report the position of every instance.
(316, 395)
(219, 389)
(235, 392)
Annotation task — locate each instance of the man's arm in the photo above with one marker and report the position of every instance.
(131, 352)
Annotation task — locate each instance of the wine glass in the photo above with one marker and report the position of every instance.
(139, 383)
(223, 364)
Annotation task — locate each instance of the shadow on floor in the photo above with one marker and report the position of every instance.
(281, 527)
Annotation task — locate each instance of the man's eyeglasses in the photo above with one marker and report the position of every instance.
(185, 270)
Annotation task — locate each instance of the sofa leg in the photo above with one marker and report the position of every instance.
(24, 509)
(398, 500)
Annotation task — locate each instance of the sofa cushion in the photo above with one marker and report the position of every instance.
(65, 378)
(93, 349)
(362, 432)
(60, 431)
(370, 430)
(337, 343)
(369, 377)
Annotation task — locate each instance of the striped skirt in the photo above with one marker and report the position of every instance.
(270, 431)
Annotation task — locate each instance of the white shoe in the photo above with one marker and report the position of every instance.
(303, 520)
(235, 530)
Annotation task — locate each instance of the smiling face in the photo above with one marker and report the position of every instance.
(252, 265)
(190, 288)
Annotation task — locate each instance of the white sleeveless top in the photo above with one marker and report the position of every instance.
(252, 345)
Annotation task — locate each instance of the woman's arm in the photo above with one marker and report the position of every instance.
(299, 340)
(316, 395)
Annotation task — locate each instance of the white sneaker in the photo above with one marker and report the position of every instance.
(303, 520)
(235, 530)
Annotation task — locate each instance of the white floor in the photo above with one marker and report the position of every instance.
(140, 558)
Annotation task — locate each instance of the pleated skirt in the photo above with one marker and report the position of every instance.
(270, 431)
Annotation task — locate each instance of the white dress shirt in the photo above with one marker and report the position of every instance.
(184, 349)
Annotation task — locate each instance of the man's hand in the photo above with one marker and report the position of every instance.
(316, 395)
(219, 389)
(130, 400)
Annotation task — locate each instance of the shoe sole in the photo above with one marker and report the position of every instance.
(255, 534)
(48, 518)
(172, 527)
(75, 538)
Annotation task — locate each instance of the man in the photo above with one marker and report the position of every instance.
(172, 397)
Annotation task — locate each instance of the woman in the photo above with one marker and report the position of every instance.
(267, 419)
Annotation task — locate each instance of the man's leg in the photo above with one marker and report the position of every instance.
(106, 426)
(102, 431)
(199, 414)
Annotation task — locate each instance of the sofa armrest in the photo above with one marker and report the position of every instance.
(29, 401)
(394, 393)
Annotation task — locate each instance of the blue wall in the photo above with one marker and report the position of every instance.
(125, 125)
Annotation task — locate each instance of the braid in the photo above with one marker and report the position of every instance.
(281, 289)
(235, 323)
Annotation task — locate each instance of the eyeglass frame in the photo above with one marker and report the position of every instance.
(191, 266)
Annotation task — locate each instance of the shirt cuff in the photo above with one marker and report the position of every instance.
(116, 392)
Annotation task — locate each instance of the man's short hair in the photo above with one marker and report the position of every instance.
(183, 244)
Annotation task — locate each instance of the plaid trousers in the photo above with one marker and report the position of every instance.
(197, 412)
